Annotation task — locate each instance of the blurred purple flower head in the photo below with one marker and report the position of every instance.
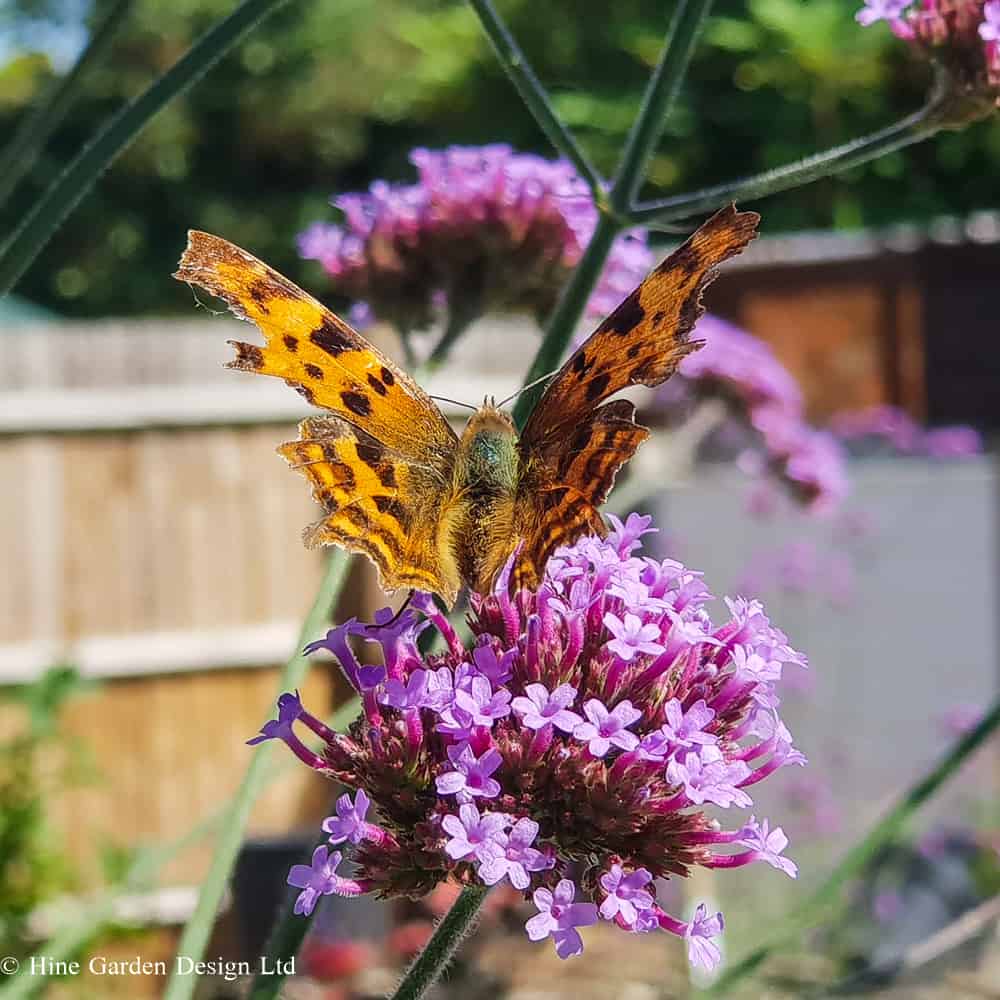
(483, 228)
(889, 430)
(591, 786)
(742, 370)
(963, 36)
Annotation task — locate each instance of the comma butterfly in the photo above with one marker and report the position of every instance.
(433, 510)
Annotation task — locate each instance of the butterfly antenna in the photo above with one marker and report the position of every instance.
(530, 385)
(446, 399)
(395, 618)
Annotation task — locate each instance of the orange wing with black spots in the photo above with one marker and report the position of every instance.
(381, 463)
(396, 484)
(576, 440)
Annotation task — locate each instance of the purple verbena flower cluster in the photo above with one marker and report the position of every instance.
(483, 228)
(888, 428)
(571, 749)
(962, 35)
(742, 370)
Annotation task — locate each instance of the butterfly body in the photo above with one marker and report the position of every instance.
(486, 478)
(433, 510)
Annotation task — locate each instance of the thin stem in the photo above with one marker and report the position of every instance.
(196, 932)
(914, 128)
(46, 115)
(661, 91)
(662, 88)
(566, 315)
(815, 908)
(534, 95)
(437, 953)
(48, 213)
(463, 308)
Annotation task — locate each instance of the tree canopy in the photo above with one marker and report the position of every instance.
(328, 95)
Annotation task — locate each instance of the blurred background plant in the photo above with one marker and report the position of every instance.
(334, 94)
(37, 760)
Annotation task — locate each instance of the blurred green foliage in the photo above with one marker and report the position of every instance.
(330, 94)
(35, 761)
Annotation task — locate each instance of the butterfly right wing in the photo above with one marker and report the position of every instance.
(575, 442)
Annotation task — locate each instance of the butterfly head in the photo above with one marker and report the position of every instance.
(489, 447)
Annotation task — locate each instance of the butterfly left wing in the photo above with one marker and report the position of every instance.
(577, 442)
(380, 463)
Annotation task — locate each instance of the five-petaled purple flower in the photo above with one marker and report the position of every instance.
(687, 729)
(478, 706)
(703, 952)
(537, 708)
(768, 844)
(412, 694)
(605, 728)
(626, 894)
(707, 777)
(318, 879)
(471, 776)
(631, 637)
(471, 834)
(512, 855)
(558, 917)
(349, 823)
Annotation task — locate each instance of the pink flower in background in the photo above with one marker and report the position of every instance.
(953, 442)
(961, 719)
(761, 393)
(888, 429)
(881, 10)
(741, 365)
(483, 228)
(962, 36)
(618, 733)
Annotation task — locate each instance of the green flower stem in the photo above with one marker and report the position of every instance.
(661, 91)
(814, 909)
(39, 122)
(914, 128)
(48, 213)
(533, 94)
(643, 136)
(437, 953)
(196, 932)
(458, 322)
(566, 316)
